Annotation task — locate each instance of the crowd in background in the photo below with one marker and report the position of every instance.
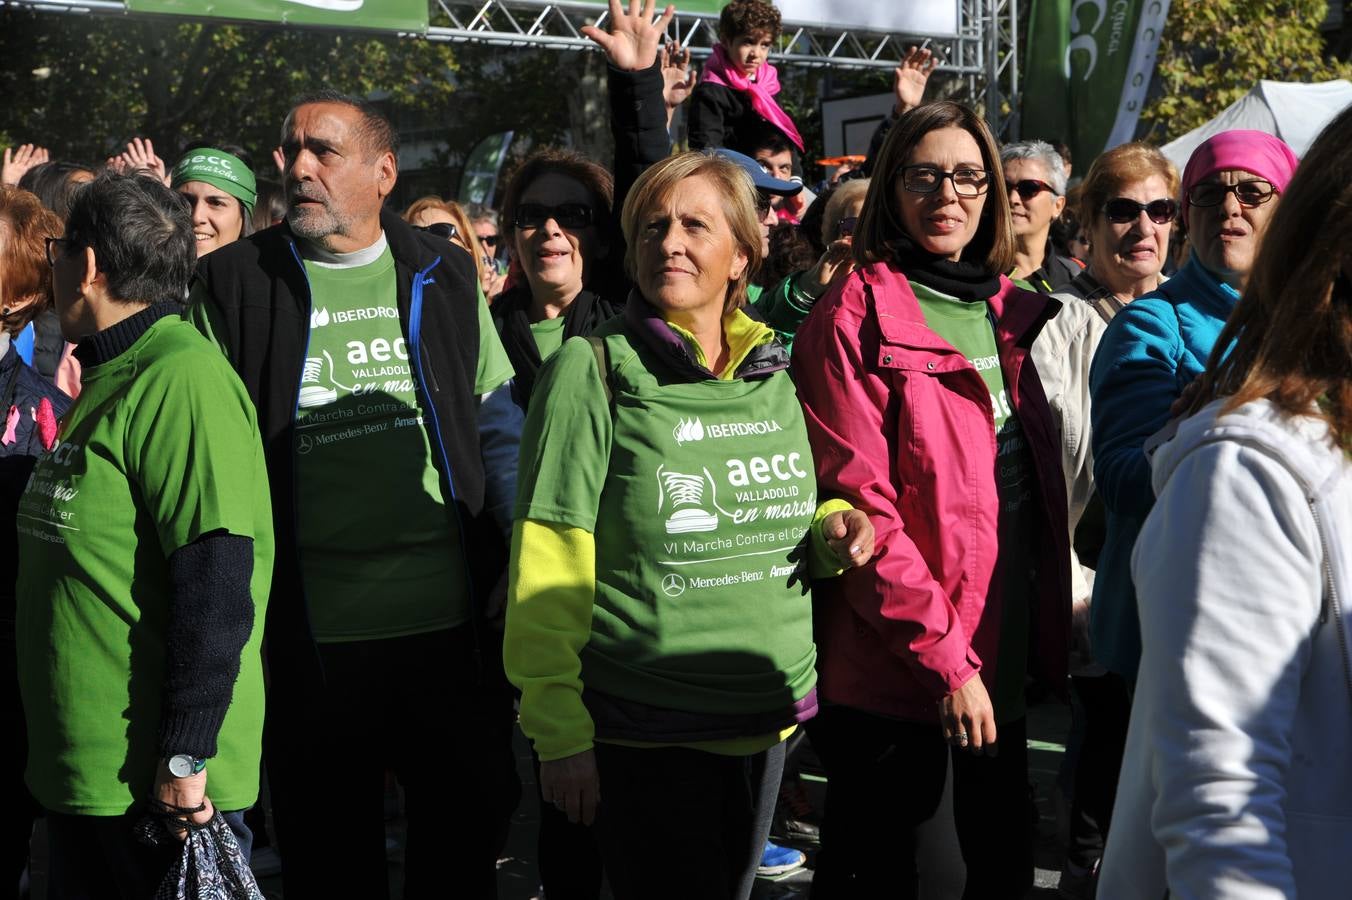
(698, 477)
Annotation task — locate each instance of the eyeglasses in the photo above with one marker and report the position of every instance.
(1248, 193)
(56, 242)
(1029, 188)
(928, 179)
(763, 203)
(1123, 209)
(568, 215)
(489, 240)
(847, 226)
(445, 230)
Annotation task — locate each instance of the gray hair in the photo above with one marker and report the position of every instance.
(1039, 151)
(478, 212)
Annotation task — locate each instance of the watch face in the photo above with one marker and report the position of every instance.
(184, 766)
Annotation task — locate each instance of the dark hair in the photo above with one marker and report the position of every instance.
(1292, 330)
(595, 178)
(25, 277)
(375, 130)
(880, 221)
(742, 17)
(790, 252)
(141, 234)
(270, 207)
(51, 182)
(768, 138)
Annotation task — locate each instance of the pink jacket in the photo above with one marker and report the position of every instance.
(901, 425)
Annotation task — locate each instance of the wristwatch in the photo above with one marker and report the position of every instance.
(184, 765)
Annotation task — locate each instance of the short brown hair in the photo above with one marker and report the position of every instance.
(1114, 169)
(734, 186)
(25, 277)
(1292, 329)
(595, 178)
(743, 17)
(880, 221)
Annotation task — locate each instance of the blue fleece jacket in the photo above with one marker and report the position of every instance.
(1150, 351)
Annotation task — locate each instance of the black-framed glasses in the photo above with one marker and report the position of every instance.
(1123, 209)
(967, 181)
(1248, 193)
(1029, 188)
(445, 230)
(489, 240)
(763, 203)
(847, 226)
(568, 215)
(56, 242)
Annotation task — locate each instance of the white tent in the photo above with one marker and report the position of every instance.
(1294, 112)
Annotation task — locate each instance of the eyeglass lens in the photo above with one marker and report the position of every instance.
(1124, 209)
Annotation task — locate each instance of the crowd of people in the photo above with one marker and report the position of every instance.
(692, 474)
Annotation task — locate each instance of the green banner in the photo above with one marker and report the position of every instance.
(1089, 67)
(367, 15)
(479, 180)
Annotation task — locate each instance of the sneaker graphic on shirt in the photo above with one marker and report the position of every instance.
(313, 391)
(684, 495)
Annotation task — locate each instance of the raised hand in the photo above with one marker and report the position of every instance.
(911, 77)
(633, 40)
(140, 157)
(19, 160)
(678, 76)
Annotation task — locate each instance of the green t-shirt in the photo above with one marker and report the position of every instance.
(700, 496)
(548, 334)
(379, 552)
(161, 448)
(968, 328)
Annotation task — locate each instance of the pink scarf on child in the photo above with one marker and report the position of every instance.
(721, 70)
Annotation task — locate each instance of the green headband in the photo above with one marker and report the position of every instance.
(218, 169)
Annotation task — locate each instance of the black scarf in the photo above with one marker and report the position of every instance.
(512, 310)
(969, 281)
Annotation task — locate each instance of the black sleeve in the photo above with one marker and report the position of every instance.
(875, 144)
(712, 109)
(638, 122)
(211, 615)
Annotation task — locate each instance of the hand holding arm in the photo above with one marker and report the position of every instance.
(849, 534)
(19, 160)
(634, 37)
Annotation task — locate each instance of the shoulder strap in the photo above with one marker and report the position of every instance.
(602, 353)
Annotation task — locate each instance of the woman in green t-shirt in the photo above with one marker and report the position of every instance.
(661, 634)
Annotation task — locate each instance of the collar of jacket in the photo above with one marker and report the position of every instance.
(1196, 285)
(1019, 314)
(643, 319)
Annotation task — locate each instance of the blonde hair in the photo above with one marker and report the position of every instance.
(462, 224)
(735, 189)
(840, 198)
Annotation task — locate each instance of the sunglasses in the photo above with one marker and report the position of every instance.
(1029, 188)
(1120, 210)
(1248, 193)
(445, 230)
(763, 203)
(567, 215)
(489, 240)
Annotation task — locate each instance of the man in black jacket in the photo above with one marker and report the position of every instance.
(391, 441)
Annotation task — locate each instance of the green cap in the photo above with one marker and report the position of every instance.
(218, 169)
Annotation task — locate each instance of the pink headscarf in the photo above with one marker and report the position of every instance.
(721, 70)
(1258, 152)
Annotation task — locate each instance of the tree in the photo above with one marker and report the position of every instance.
(1213, 52)
(83, 86)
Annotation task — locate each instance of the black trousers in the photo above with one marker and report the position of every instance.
(1107, 711)
(99, 857)
(885, 783)
(567, 852)
(706, 814)
(416, 706)
(18, 809)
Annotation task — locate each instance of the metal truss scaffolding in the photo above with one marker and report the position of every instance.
(982, 53)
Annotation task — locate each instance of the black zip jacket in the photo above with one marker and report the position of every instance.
(256, 297)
